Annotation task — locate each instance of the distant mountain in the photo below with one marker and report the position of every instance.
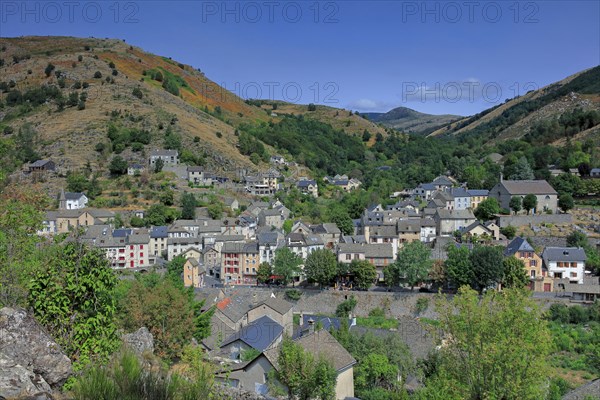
(409, 120)
(568, 109)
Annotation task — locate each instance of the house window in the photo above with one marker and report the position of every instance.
(532, 274)
(573, 265)
(573, 274)
(348, 257)
(142, 255)
(141, 247)
(130, 247)
(532, 263)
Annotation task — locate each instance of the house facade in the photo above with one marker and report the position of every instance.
(565, 263)
(169, 157)
(547, 197)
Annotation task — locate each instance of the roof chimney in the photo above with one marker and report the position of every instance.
(311, 326)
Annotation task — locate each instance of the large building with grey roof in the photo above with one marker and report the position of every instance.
(547, 197)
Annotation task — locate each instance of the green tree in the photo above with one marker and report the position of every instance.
(264, 272)
(73, 298)
(487, 265)
(20, 219)
(188, 206)
(509, 231)
(346, 307)
(304, 376)
(321, 266)
(376, 371)
(577, 239)
(487, 209)
(118, 166)
(49, 68)
(363, 274)
(287, 226)
(413, 264)
(565, 202)
(286, 265)
(459, 269)
(366, 136)
(312, 107)
(529, 202)
(515, 204)
(215, 210)
(498, 348)
(515, 275)
(521, 170)
(158, 165)
(76, 182)
(340, 217)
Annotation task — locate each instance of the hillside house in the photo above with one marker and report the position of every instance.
(135, 169)
(42, 166)
(477, 196)
(197, 176)
(547, 197)
(71, 201)
(565, 263)
(307, 186)
(447, 222)
(520, 248)
(169, 157)
(193, 273)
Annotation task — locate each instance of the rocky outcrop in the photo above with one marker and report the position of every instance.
(29, 356)
(140, 341)
(18, 381)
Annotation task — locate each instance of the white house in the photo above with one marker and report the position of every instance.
(565, 263)
(169, 157)
(72, 201)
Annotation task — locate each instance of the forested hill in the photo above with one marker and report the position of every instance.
(567, 109)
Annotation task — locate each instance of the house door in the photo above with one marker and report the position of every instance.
(132, 263)
(547, 287)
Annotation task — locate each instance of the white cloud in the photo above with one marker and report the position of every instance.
(369, 105)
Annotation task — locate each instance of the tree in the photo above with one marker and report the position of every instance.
(584, 169)
(340, 217)
(498, 348)
(515, 275)
(487, 265)
(565, 202)
(515, 204)
(287, 226)
(49, 69)
(577, 239)
(188, 206)
(304, 376)
(364, 274)
(264, 272)
(286, 265)
(312, 107)
(487, 209)
(158, 165)
(164, 308)
(459, 270)
(215, 210)
(509, 231)
(366, 136)
(529, 202)
(375, 370)
(521, 170)
(21, 217)
(321, 266)
(412, 264)
(346, 307)
(118, 166)
(73, 298)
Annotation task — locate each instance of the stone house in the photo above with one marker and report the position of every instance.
(547, 197)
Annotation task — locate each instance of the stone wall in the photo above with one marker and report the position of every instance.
(521, 220)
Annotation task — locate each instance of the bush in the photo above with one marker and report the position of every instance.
(422, 305)
(346, 307)
(97, 74)
(377, 313)
(293, 294)
(137, 92)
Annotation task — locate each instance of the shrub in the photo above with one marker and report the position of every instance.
(346, 307)
(97, 74)
(422, 305)
(377, 313)
(79, 58)
(137, 92)
(293, 294)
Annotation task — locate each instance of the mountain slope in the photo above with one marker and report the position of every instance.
(409, 120)
(526, 116)
(130, 90)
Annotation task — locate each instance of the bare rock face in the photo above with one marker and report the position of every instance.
(140, 341)
(18, 381)
(25, 342)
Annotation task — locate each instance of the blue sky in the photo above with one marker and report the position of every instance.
(436, 57)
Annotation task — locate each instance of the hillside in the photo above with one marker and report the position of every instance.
(531, 116)
(410, 121)
(64, 94)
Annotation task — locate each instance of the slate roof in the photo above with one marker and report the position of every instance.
(122, 232)
(195, 169)
(159, 232)
(407, 226)
(516, 245)
(427, 186)
(259, 334)
(591, 389)
(322, 344)
(306, 183)
(327, 227)
(326, 322)
(476, 192)
(39, 163)
(528, 187)
(442, 180)
(279, 305)
(563, 254)
(459, 192)
(73, 196)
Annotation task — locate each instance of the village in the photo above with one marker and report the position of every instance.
(252, 313)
